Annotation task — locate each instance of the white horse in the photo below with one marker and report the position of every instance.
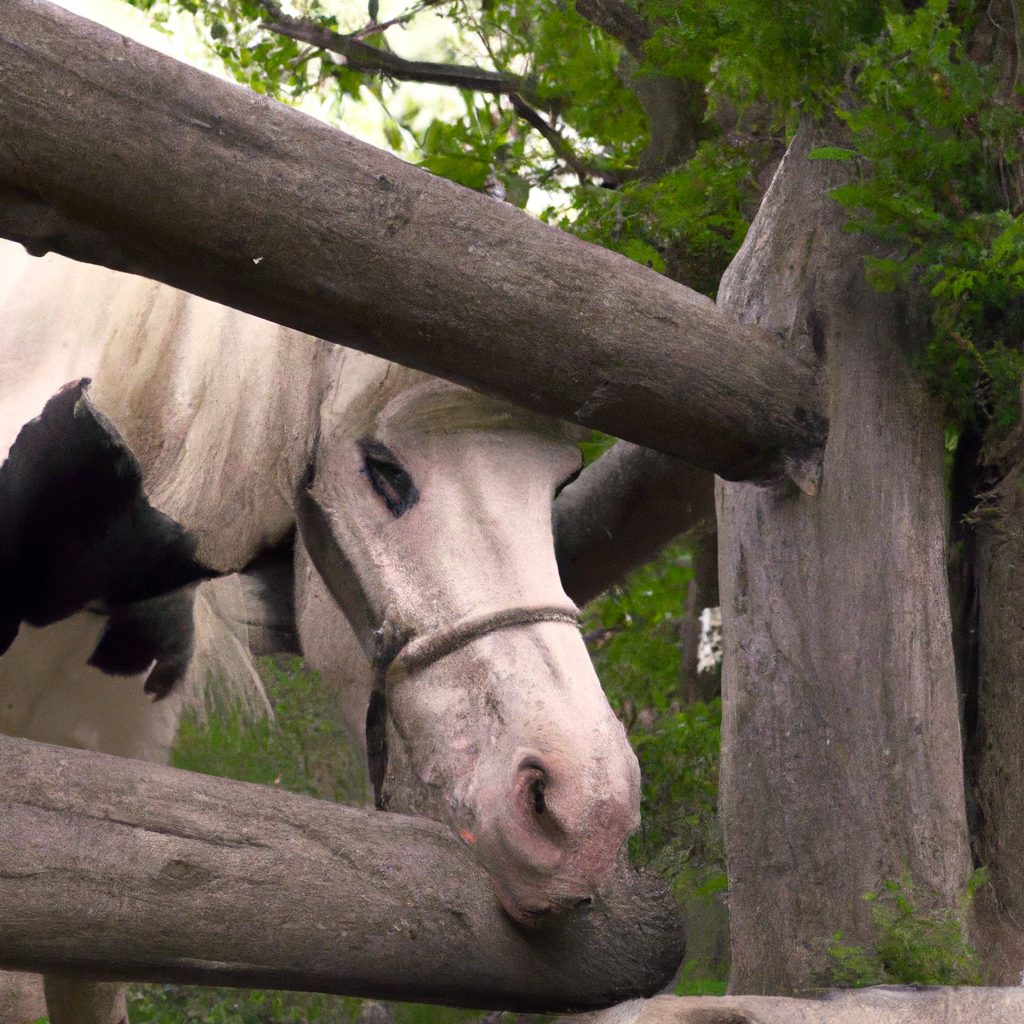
(426, 587)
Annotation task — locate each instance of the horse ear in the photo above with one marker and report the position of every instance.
(75, 525)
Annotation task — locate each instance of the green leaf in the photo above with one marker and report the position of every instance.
(463, 170)
(517, 190)
(832, 153)
(644, 253)
(717, 884)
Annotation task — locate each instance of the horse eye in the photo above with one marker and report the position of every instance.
(387, 477)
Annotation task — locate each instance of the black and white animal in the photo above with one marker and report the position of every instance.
(153, 440)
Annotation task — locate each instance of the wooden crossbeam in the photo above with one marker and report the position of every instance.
(118, 869)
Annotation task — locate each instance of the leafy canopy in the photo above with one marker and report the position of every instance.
(934, 146)
(576, 125)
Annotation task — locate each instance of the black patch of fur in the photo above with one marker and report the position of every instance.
(160, 629)
(75, 526)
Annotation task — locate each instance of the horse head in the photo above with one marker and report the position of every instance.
(427, 513)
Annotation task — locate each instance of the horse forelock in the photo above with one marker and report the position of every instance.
(372, 396)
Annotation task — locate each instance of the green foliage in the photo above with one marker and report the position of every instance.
(678, 756)
(792, 50)
(595, 446)
(693, 983)
(689, 223)
(789, 52)
(180, 1004)
(917, 939)
(458, 152)
(304, 748)
(633, 634)
(933, 147)
(266, 62)
(633, 631)
(570, 69)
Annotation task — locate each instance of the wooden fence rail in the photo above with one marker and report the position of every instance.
(115, 154)
(118, 869)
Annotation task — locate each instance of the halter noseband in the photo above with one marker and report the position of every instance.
(395, 651)
(421, 651)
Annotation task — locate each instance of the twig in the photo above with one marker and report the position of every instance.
(361, 56)
(562, 148)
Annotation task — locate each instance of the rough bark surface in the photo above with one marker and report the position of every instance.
(888, 1005)
(114, 154)
(118, 869)
(841, 760)
(995, 748)
(21, 997)
(624, 508)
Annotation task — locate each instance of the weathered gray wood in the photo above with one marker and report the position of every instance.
(621, 512)
(114, 154)
(118, 869)
(994, 724)
(21, 997)
(886, 1005)
(841, 750)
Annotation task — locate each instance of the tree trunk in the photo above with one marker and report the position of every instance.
(841, 759)
(994, 718)
(117, 155)
(988, 594)
(118, 869)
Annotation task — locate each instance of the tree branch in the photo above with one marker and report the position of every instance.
(562, 149)
(362, 56)
(115, 154)
(619, 21)
(621, 512)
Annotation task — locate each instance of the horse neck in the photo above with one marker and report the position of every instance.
(222, 417)
(218, 407)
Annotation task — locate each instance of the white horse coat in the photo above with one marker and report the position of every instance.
(437, 500)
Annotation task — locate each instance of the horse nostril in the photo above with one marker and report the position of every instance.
(537, 791)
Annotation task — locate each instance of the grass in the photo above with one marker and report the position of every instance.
(306, 749)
